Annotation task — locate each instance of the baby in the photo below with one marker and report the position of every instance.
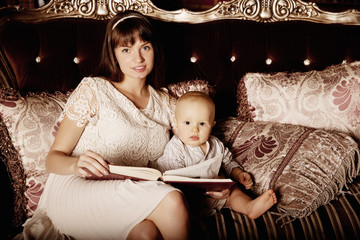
(193, 144)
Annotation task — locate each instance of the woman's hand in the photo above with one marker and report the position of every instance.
(218, 194)
(91, 163)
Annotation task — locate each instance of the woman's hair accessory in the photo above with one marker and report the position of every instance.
(122, 19)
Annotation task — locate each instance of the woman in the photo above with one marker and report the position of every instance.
(119, 118)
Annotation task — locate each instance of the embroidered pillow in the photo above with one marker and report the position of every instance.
(305, 167)
(30, 123)
(178, 89)
(327, 99)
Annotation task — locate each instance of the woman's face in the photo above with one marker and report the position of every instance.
(136, 61)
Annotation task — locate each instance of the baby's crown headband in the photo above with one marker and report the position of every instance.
(124, 18)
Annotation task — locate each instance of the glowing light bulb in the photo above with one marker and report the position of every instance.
(193, 59)
(268, 61)
(76, 60)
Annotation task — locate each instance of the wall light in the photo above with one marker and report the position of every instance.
(268, 61)
(76, 60)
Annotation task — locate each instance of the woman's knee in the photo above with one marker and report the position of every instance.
(175, 201)
(172, 216)
(173, 204)
(145, 230)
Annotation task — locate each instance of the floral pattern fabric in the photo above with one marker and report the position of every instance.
(305, 167)
(200, 85)
(327, 99)
(32, 123)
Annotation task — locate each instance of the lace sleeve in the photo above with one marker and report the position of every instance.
(82, 105)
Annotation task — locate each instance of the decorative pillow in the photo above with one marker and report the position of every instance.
(327, 99)
(178, 89)
(31, 123)
(305, 167)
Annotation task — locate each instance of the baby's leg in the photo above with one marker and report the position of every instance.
(253, 208)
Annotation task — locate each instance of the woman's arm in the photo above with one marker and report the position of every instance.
(59, 159)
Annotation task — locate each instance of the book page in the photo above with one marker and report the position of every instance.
(207, 169)
(137, 172)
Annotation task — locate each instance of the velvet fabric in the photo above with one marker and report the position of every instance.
(56, 54)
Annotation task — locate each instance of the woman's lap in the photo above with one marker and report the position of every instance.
(100, 209)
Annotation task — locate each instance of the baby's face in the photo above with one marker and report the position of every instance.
(194, 121)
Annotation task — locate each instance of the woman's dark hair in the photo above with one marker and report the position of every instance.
(123, 29)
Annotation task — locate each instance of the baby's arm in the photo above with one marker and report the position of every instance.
(171, 159)
(233, 169)
(242, 177)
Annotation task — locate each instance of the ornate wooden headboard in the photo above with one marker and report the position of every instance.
(53, 47)
(255, 10)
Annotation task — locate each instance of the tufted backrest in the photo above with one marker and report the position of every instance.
(52, 55)
(56, 54)
(223, 51)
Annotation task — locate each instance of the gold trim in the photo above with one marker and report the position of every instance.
(254, 10)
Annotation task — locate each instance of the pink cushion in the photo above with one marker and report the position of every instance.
(305, 167)
(31, 122)
(178, 89)
(327, 99)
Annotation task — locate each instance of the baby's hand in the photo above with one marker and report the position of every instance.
(218, 195)
(245, 179)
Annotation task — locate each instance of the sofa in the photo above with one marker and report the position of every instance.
(284, 75)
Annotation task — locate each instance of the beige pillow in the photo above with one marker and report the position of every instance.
(31, 122)
(305, 167)
(327, 99)
(178, 89)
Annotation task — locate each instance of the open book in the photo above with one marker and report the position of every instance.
(189, 176)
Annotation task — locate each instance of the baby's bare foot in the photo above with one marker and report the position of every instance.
(261, 204)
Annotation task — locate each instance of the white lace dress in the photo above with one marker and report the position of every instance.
(122, 134)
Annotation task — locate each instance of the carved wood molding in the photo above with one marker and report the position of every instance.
(255, 10)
